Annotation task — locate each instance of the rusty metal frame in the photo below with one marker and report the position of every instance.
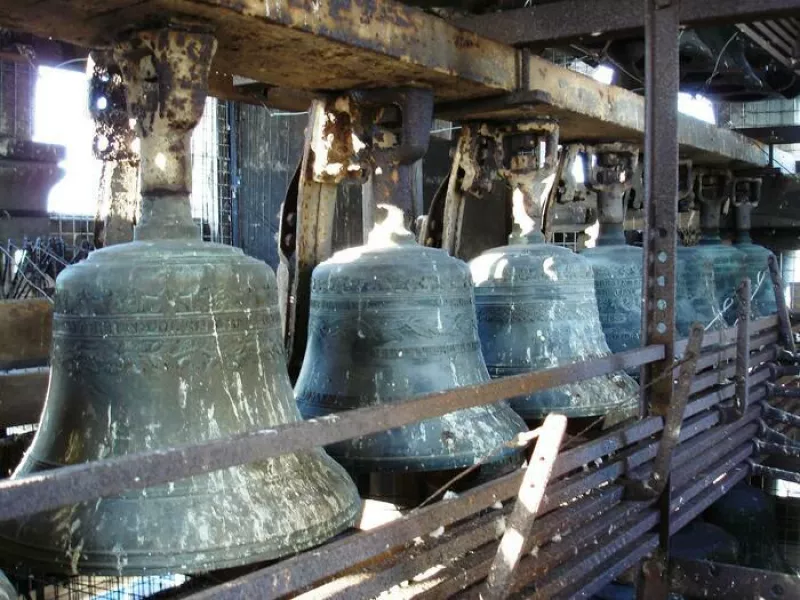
(136, 471)
(565, 20)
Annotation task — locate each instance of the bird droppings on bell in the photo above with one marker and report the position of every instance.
(390, 320)
(537, 309)
(164, 342)
(747, 193)
(617, 267)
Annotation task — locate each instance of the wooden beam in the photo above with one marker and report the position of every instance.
(302, 44)
(328, 45)
(588, 110)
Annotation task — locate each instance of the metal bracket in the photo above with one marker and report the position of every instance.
(369, 135)
(522, 155)
(774, 473)
(611, 176)
(656, 484)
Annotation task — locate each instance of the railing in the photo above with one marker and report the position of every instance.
(588, 528)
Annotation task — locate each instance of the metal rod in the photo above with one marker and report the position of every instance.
(91, 480)
(781, 416)
(656, 483)
(661, 195)
(526, 507)
(742, 347)
(774, 473)
(784, 322)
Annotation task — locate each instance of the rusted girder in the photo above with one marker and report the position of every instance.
(571, 19)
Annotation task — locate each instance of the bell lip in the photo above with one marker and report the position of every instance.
(320, 532)
(425, 464)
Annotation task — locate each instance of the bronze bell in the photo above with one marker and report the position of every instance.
(617, 266)
(536, 302)
(712, 189)
(747, 193)
(163, 342)
(390, 320)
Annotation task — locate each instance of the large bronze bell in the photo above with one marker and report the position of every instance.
(168, 341)
(746, 195)
(390, 320)
(712, 189)
(617, 266)
(536, 302)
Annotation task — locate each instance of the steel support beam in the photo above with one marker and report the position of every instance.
(660, 241)
(572, 19)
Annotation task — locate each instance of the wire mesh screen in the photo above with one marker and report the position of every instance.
(96, 588)
(225, 182)
(568, 239)
(73, 229)
(17, 84)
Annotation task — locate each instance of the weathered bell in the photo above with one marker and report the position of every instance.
(695, 292)
(7, 591)
(749, 516)
(163, 342)
(537, 309)
(727, 263)
(617, 267)
(756, 258)
(390, 320)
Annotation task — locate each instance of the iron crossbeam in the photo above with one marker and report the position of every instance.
(572, 19)
(91, 480)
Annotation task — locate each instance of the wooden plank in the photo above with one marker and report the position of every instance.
(302, 44)
(26, 327)
(526, 508)
(591, 111)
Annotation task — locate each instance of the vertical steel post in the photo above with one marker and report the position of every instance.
(660, 238)
(661, 195)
